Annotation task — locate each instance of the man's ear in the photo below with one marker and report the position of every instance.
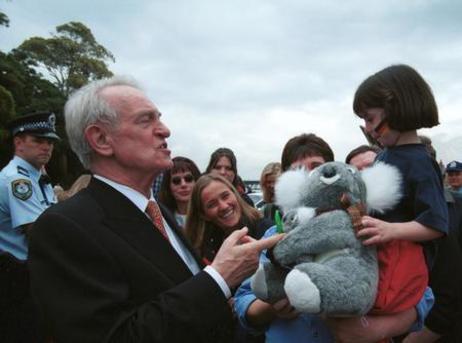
(99, 139)
(18, 142)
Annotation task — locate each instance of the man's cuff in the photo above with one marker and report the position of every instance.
(219, 280)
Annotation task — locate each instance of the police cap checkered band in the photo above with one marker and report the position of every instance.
(41, 124)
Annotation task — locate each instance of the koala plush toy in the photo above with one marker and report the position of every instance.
(320, 265)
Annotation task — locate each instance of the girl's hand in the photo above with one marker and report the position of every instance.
(423, 336)
(375, 231)
(354, 330)
(369, 329)
(283, 309)
(261, 313)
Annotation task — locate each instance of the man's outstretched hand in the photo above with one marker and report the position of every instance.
(239, 254)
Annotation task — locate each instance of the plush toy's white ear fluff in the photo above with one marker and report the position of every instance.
(289, 189)
(383, 184)
(305, 213)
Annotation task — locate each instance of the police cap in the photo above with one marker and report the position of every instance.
(40, 124)
(454, 166)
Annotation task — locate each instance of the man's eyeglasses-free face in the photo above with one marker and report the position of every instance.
(176, 180)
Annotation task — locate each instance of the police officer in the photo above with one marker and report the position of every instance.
(25, 192)
(454, 174)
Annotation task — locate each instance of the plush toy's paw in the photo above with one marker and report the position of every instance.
(297, 216)
(302, 292)
(258, 283)
(268, 283)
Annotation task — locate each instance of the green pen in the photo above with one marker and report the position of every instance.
(278, 221)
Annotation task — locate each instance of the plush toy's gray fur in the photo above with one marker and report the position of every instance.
(320, 265)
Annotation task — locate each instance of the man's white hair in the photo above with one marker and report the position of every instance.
(85, 107)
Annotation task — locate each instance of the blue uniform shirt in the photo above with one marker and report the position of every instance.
(22, 199)
(457, 192)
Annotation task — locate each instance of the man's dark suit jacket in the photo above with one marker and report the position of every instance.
(100, 272)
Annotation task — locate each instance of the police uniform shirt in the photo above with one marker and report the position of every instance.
(23, 197)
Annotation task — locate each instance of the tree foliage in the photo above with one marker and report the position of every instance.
(22, 90)
(30, 92)
(6, 106)
(4, 20)
(72, 57)
(6, 113)
(39, 75)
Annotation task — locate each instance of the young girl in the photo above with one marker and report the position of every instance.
(394, 103)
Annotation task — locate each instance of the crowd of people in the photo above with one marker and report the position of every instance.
(146, 248)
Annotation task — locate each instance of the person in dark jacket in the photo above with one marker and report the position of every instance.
(444, 322)
(110, 264)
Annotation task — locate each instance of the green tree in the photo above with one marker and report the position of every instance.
(6, 107)
(72, 57)
(6, 113)
(4, 21)
(22, 91)
(29, 90)
(40, 74)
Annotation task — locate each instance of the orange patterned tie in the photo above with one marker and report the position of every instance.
(153, 212)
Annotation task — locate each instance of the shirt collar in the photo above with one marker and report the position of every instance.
(138, 199)
(448, 196)
(26, 165)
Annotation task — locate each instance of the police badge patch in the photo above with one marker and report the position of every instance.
(22, 189)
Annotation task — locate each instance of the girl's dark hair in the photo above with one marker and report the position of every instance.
(303, 146)
(180, 164)
(219, 153)
(404, 95)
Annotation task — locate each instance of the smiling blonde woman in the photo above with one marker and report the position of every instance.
(216, 209)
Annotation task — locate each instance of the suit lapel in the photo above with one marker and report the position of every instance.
(171, 221)
(127, 221)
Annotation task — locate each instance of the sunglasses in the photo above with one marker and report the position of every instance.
(176, 180)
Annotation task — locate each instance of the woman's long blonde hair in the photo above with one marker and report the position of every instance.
(195, 220)
(272, 168)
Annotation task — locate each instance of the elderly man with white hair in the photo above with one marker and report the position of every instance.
(110, 264)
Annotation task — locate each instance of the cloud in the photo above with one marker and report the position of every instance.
(249, 75)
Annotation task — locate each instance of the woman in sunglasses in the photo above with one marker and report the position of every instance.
(177, 186)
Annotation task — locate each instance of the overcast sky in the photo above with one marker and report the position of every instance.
(250, 74)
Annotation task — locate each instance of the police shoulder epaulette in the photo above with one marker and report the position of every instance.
(23, 171)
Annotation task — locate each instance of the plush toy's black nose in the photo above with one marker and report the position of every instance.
(329, 171)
